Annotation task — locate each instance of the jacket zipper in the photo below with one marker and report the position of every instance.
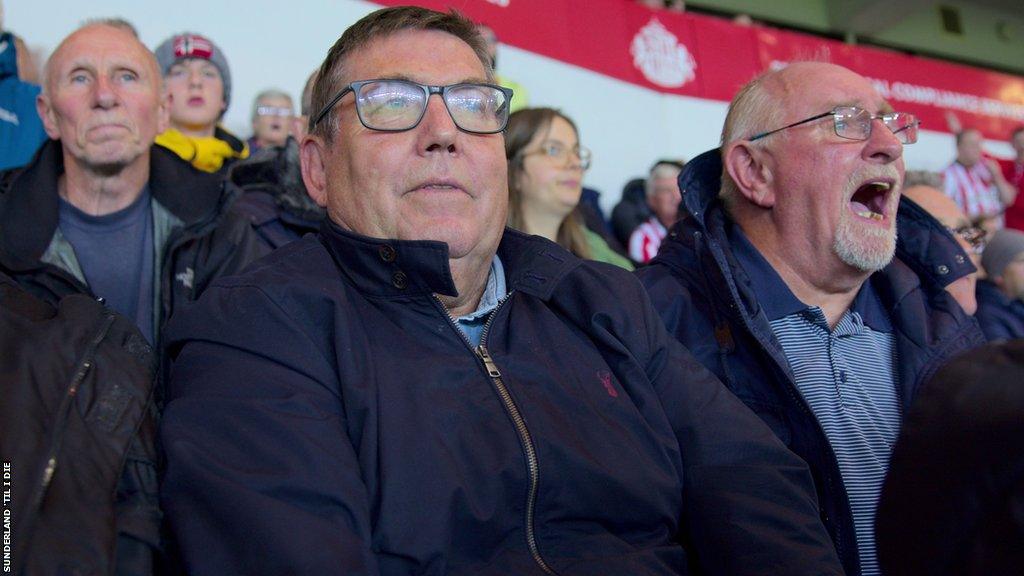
(525, 439)
(85, 364)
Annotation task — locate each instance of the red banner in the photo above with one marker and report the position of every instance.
(708, 57)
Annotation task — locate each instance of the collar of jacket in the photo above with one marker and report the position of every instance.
(922, 243)
(30, 208)
(416, 268)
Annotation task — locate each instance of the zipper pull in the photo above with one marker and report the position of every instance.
(492, 368)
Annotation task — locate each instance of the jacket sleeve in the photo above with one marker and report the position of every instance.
(261, 477)
(749, 504)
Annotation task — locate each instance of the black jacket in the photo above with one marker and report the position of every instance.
(708, 303)
(359, 432)
(203, 240)
(273, 196)
(78, 429)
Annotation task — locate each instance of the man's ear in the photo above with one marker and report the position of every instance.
(747, 166)
(314, 176)
(163, 120)
(48, 117)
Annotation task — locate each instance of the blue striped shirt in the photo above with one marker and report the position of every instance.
(847, 376)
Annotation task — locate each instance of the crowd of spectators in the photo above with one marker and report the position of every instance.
(340, 346)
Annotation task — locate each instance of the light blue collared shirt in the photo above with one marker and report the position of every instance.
(472, 324)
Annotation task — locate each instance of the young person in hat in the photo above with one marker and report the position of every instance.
(198, 81)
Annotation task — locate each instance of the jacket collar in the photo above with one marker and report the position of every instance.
(415, 268)
(29, 215)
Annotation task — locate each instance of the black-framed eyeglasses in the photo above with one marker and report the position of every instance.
(855, 123)
(391, 105)
(560, 152)
(975, 236)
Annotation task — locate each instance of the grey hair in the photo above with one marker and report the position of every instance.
(112, 22)
(660, 170)
(754, 109)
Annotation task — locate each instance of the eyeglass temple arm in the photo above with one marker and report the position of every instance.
(327, 108)
(804, 121)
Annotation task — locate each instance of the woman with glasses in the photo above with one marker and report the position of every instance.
(545, 181)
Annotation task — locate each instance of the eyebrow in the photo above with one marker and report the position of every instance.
(90, 66)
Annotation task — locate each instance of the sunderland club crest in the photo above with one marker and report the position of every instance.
(661, 57)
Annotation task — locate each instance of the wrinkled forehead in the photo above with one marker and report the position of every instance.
(102, 47)
(810, 88)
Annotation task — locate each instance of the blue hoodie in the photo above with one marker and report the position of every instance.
(21, 130)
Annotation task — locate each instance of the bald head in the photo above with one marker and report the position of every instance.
(940, 206)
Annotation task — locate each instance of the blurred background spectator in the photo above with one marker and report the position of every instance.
(545, 181)
(663, 198)
(198, 82)
(1013, 171)
(1001, 294)
(925, 189)
(272, 116)
(21, 131)
(975, 182)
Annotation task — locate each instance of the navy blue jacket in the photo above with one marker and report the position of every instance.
(708, 303)
(1000, 317)
(21, 130)
(327, 417)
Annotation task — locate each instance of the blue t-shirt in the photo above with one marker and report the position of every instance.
(115, 252)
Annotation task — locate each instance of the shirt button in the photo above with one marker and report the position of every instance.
(387, 253)
(959, 259)
(398, 280)
(942, 269)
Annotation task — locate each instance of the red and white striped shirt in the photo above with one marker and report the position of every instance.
(973, 189)
(645, 240)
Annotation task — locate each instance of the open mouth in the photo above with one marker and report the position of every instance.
(871, 199)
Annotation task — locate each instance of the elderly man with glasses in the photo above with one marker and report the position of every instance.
(417, 390)
(784, 284)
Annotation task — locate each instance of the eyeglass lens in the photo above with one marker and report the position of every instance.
(975, 236)
(273, 111)
(855, 124)
(395, 105)
(559, 151)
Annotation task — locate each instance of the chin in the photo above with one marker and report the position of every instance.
(868, 249)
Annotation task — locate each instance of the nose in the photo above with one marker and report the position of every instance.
(437, 131)
(882, 146)
(575, 160)
(195, 78)
(105, 95)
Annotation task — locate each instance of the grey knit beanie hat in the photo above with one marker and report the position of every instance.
(1003, 248)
